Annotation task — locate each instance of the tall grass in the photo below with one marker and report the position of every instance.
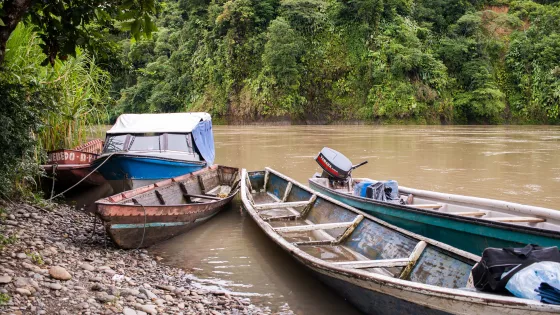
(78, 88)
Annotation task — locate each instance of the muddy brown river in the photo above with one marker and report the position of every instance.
(229, 253)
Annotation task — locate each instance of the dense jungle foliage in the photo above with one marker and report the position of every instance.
(70, 64)
(437, 61)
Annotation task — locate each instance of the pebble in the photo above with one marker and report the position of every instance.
(87, 267)
(23, 291)
(148, 294)
(59, 273)
(129, 311)
(54, 286)
(5, 279)
(87, 264)
(150, 309)
(103, 297)
(129, 291)
(165, 287)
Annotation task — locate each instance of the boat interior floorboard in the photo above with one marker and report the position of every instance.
(262, 197)
(330, 253)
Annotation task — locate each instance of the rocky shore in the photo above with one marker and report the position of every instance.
(52, 262)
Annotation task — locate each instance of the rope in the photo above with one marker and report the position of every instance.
(143, 232)
(55, 166)
(81, 180)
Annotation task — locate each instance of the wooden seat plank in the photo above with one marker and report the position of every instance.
(381, 263)
(470, 214)
(427, 206)
(280, 205)
(314, 227)
(517, 219)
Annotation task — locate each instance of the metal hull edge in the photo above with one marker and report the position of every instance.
(467, 234)
(126, 172)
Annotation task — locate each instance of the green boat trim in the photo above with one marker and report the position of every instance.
(471, 234)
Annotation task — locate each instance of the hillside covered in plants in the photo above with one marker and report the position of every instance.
(324, 61)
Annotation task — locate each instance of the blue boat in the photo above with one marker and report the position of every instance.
(468, 223)
(141, 149)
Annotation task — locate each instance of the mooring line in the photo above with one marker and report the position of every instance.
(76, 184)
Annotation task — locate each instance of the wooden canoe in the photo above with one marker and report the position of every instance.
(68, 166)
(468, 223)
(153, 213)
(380, 268)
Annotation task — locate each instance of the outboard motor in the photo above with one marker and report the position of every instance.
(335, 165)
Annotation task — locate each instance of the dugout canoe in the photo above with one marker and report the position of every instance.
(380, 268)
(468, 223)
(153, 213)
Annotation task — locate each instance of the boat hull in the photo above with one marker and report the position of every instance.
(433, 281)
(157, 212)
(126, 172)
(67, 175)
(130, 228)
(469, 234)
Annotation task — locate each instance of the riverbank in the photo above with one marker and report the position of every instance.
(52, 262)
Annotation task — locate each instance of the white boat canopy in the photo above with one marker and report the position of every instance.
(158, 123)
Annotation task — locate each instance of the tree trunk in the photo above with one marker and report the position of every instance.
(14, 10)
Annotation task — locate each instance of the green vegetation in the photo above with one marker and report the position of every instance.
(54, 79)
(4, 299)
(377, 61)
(36, 258)
(66, 65)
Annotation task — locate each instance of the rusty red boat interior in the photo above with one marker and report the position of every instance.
(150, 214)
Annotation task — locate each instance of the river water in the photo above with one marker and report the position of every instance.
(229, 252)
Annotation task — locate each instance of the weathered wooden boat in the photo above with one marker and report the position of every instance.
(468, 223)
(380, 268)
(68, 166)
(142, 149)
(156, 212)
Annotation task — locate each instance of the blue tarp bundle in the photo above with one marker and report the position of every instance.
(204, 140)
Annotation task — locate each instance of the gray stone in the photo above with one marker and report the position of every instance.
(165, 287)
(25, 282)
(150, 309)
(129, 291)
(23, 291)
(5, 279)
(21, 256)
(87, 267)
(148, 294)
(59, 273)
(98, 287)
(103, 297)
(129, 311)
(54, 286)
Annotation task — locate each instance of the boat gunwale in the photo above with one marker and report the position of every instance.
(64, 167)
(450, 215)
(104, 156)
(382, 280)
(162, 184)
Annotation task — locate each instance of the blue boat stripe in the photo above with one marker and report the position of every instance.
(141, 225)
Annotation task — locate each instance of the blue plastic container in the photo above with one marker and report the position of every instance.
(394, 188)
(360, 188)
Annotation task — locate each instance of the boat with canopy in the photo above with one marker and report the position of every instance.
(142, 149)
